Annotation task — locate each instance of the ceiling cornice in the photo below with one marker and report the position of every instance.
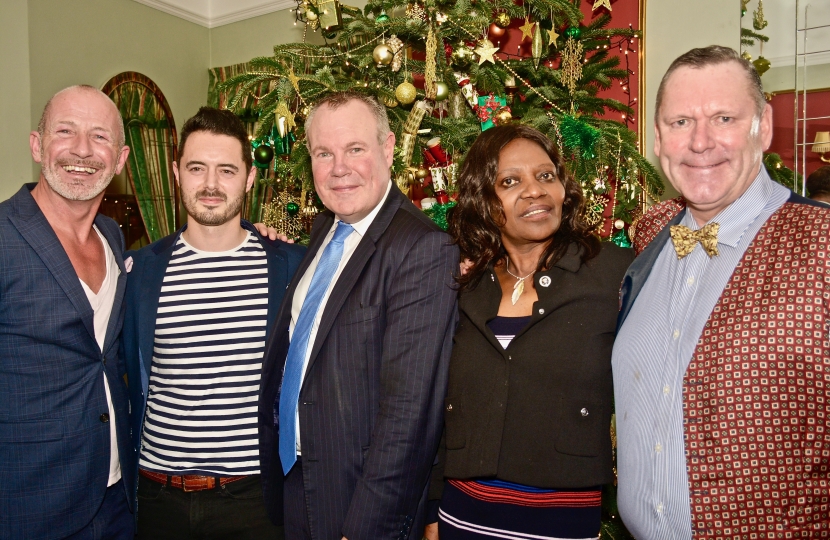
(231, 14)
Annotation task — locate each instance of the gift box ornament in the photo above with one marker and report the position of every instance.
(488, 106)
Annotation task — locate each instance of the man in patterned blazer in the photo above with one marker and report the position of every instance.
(722, 361)
(355, 371)
(64, 433)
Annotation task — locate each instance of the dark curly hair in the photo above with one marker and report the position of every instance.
(475, 222)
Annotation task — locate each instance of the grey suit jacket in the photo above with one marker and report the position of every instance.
(372, 399)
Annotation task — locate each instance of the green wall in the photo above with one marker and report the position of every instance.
(52, 44)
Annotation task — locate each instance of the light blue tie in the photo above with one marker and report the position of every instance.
(293, 374)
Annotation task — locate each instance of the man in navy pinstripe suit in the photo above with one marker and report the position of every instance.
(63, 399)
(365, 351)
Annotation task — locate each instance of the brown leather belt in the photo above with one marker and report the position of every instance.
(190, 482)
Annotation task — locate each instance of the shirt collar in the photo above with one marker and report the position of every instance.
(736, 218)
(363, 225)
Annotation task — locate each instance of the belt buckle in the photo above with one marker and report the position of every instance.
(203, 483)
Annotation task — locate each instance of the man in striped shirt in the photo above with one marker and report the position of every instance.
(200, 303)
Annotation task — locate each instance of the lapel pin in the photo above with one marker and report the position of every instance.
(544, 281)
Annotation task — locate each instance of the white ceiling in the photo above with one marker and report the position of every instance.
(213, 13)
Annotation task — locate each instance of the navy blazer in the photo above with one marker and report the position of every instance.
(142, 298)
(54, 426)
(371, 403)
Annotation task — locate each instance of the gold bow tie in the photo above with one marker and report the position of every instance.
(685, 239)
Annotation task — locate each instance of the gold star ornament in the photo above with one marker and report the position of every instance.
(485, 51)
(602, 3)
(527, 28)
(552, 37)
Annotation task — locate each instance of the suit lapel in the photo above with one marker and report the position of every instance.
(35, 229)
(152, 277)
(482, 304)
(640, 269)
(353, 270)
(114, 239)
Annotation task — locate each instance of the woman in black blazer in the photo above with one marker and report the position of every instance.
(528, 409)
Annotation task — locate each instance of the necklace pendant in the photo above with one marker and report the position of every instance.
(518, 289)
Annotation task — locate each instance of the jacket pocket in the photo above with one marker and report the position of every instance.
(580, 430)
(454, 421)
(32, 431)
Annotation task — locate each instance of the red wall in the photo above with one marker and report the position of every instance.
(783, 122)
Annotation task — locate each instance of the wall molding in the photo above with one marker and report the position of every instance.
(203, 16)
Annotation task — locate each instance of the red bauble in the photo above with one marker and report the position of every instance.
(495, 32)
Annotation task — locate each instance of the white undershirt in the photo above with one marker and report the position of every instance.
(349, 245)
(102, 308)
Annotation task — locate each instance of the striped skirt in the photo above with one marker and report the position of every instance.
(477, 510)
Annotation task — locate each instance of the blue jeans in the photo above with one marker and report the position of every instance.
(235, 511)
(113, 521)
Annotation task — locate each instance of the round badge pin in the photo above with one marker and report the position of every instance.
(544, 281)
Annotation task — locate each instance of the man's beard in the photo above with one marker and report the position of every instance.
(77, 190)
(213, 217)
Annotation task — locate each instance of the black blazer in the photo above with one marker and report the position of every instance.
(372, 398)
(539, 412)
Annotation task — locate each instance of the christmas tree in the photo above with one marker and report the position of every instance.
(442, 70)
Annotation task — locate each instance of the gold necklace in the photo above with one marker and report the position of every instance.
(519, 287)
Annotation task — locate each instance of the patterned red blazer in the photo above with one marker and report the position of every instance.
(756, 404)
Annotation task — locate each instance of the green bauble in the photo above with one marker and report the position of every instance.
(292, 209)
(573, 32)
(382, 18)
(329, 35)
(263, 154)
(761, 64)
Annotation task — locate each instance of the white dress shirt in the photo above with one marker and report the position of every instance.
(101, 303)
(349, 245)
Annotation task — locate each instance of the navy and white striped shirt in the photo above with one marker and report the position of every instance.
(207, 358)
(651, 353)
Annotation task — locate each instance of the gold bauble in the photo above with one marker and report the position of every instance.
(421, 173)
(746, 56)
(405, 93)
(502, 117)
(383, 55)
(310, 15)
(619, 224)
(502, 19)
(389, 102)
(462, 54)
(442, 91)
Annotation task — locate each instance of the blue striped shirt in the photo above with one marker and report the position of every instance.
(651, 353)
(207, 357)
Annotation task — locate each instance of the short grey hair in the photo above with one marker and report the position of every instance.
(336, 100)
(120, 138)
(711, 56)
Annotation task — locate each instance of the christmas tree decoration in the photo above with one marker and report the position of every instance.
(382, 18)
(758, 20)
(495, 31)
(502, 19)
(502, 116)
(467, 88)
(405, 93)
(438, 213)
(263, 154)
(602, 3)
(383, 55)
(621, 239)
(281, 213)
(415, 12)
(421, 174)
(573, 32)
(442, 91)
(485, 51)
(488, 106)
(430, 65)
(462, 55)
(572, 64)
(537, 47)
(761, 64)
(746, 56)
(552, 37)
(527, 29)
(329, 14)
(292, 209)
(579, 135)
(399, 51)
